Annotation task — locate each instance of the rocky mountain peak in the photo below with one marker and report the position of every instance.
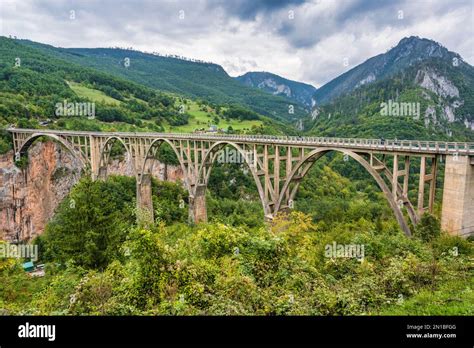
(418, 48)
(408, 52)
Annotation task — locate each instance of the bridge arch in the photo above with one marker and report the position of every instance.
(209, 160)
(308, 161)
(153, 148)
(77, 155)
(104, 154)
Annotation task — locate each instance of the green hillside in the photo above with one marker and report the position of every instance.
(92, 94)
(33, 83)
(204, 116)
(201, 80)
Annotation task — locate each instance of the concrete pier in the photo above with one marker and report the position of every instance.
(197, 205)
(144, 198)
(458, 196)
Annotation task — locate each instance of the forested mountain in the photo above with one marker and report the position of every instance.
(33, 83)
(418, 89)
(408, 52)
(193, 79)
(277, 85)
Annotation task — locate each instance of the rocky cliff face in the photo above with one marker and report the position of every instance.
(445, 95)
(29, 196)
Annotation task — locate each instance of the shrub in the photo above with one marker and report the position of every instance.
(428, 228)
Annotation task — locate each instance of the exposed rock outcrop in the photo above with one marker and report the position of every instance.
(28, 197)
(446, 96)
(438, 84)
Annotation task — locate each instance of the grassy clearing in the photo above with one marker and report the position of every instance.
(203, 119)
(92, 94)
(83, 123)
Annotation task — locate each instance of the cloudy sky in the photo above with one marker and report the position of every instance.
(310, 41)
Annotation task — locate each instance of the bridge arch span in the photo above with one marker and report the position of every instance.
(308, 161)
(77, 155)
(104, 154)
(210, 158)
(153, 148)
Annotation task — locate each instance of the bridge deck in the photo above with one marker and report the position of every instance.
(405, 146)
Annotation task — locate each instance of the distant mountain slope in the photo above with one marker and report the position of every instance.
(32, 83)
(408, 52)
(277, 85)
(40, 89)
(203, 80)
(430, 100)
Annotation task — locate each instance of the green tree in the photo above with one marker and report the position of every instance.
(91, 223)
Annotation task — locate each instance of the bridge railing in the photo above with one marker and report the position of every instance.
(415, 145)
(376, 144)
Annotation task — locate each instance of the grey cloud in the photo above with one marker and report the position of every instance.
(247, 35)
(249, 9)
(311, 25)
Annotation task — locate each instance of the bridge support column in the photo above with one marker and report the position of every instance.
(458, 196)
(102, 173)
(94, 153)
(144, 199)
(197, 205)
(431, 180)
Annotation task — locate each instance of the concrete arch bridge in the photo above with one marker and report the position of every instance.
(279, 163)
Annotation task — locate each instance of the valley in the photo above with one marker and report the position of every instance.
(119, 242)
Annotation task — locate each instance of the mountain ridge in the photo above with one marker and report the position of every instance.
(408, 51)
(277, 85)
(195, 79)
(442, 93)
